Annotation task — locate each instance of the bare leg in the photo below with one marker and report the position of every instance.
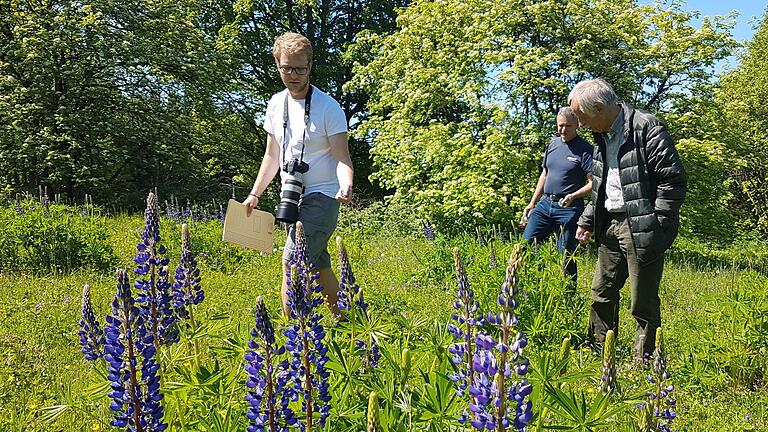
(330, 290)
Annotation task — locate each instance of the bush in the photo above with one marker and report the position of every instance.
(52, 238)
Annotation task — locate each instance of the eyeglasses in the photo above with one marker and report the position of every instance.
(287, 70)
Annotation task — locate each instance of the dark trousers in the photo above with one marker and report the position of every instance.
(548, 217)
(616, 261)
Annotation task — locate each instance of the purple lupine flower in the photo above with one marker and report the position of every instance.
(660, 407)
(186, 286)
(469, 319)
(135, 395)
(92, 338)
(269, 410)
(495, 385)
(429, 230)
(348, 287)
(304, 339)
(154, 298)
(491, 255)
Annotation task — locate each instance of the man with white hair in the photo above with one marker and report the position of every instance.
(639, 184)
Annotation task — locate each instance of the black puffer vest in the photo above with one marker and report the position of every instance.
(653, 183)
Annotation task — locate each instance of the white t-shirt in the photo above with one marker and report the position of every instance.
(326, 118)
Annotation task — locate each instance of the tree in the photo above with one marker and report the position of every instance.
(464, 94)
(742, 126)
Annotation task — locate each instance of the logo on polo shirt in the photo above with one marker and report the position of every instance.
(573, 159)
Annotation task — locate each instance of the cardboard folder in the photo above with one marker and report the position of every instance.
(256, 231)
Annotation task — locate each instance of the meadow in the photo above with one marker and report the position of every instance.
(715, 321)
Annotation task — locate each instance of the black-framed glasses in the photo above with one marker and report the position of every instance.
(287, 70)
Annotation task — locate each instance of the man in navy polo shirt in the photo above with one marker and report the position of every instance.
(565, 179)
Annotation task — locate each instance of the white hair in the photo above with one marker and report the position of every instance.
(567, 112)
(590, 94)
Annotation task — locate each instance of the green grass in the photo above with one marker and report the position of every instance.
(704, 316)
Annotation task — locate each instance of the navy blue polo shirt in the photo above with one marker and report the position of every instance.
(567, 165)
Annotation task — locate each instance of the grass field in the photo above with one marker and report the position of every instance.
(715, 322)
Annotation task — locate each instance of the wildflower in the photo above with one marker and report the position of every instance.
(91, 336)
(468, 319)
(492, 256)
(269, 410)
(135, 393)
(348, 288)
(428, 230)
(304, 339)
(155, 299)
(186, 287)
(659, 410)
(608, 379)
(373, 413)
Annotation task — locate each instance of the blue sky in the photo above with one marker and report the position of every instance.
(750, 12)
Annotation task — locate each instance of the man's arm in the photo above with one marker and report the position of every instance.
(344, 172)
(270, 164)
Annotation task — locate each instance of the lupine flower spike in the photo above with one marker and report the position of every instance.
(491, 255)
(186, 287)
(608, 379)
(135, 393)
(267, 378)
(91, 336)
(510, 359)
(373, 413)
(351, 301)
(154, 298)
(469, 319)
(659, 411)
(304, 339)
(428, 229)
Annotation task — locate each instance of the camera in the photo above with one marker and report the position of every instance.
(290, 193)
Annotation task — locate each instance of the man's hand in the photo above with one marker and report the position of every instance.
(583, 235)
(526, 214)
(566, 200)
(344, 195)
(250, 203)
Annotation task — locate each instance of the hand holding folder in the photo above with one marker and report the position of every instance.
(256, 231)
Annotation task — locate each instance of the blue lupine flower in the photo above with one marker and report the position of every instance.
(267, 397)
(492, 255)
(494, 385)
(661, 404)
(304, 339)
(186, 286)
(468, 318)
(92, 338)
(135, 396)
(660, 408)
(154, 298)
(348, 288)
(429, 230)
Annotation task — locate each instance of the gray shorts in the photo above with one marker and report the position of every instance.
(319, 214)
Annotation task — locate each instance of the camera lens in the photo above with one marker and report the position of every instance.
(288, 209)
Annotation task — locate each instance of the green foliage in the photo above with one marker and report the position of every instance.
(742, 125)
(715, 337)
(464, 94)
(52, 238)
(707, 212)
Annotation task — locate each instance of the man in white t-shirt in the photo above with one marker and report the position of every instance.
(317, 137)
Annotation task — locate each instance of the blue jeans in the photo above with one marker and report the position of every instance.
(548, 217)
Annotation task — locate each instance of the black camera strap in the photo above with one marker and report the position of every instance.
(307, 102)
